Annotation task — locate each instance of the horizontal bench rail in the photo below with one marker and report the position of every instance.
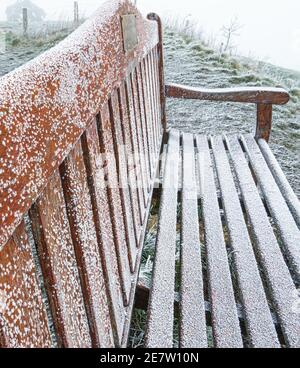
(262, 95)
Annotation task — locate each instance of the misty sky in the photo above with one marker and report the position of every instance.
(271, 29)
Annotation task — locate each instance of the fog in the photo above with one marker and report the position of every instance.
(270, 29)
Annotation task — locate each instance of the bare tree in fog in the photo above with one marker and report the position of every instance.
(229, 31)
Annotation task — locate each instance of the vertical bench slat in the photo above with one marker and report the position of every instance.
(259, 323)
(111, 262)
(154, 96)
(149, 127)
(137, 133)
(285, 222)
(154, 55)
(281, 180)
(79, 209)
(136, 153)
(132, 174)
(120, 154)
(161, 305)
(23, 320)
(114, 200)
(58, 262)
(225, 323)
(151, 102)
(144, 134)
(192, 308)
(280, 282)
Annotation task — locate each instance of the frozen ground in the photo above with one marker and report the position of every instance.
(18, 49)
(188, 62)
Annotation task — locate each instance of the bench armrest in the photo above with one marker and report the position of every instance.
(263, 95)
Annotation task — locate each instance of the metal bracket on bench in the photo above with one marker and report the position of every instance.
(129, 29)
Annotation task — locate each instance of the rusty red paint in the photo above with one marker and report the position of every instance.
(47, 104)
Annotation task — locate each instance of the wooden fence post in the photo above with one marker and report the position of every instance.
(76, 14)
(25, 22)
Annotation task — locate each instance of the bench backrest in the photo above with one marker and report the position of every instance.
(75, 123)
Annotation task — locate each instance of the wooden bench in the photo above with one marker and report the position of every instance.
(82, 129)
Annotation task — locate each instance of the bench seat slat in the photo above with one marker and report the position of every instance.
(58, 262)
(281, 180)
(79, 208)
(259, 322)
(225, 323)
(192, 308)
(161, 308)
(23, 320)
(280, 212)
(280, 282)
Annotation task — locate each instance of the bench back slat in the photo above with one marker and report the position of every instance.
(58, 262)
(64, 120)
(114, 283)
(114, 200)
(122, 170)
(47, 104)
(147, 118)
(156, 93)
(23, 319)
(132, 176)
(136, 153)
(80, 214)
(145, 139)
(152, 101)
(137, 136)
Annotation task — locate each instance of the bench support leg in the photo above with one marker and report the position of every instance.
(264, 121)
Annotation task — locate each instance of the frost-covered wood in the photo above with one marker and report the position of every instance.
(65, 118)
(161, 309)
(244, 267)
(278, 277)
(225, 323)
(288, 229)
(58, 261)
(80, 214)
(46, 104)
(263, 95)
(192, 308)
(23, 319)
